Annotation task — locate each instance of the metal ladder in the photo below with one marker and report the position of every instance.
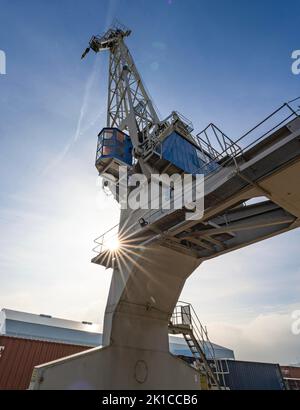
(185, 321)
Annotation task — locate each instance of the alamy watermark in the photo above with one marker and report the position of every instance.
(159, 192)
(2, 62)
(296, 63)
(295, 328)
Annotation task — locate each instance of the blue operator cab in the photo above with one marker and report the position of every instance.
(114, 149)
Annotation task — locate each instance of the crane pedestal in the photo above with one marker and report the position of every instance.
(142, 297)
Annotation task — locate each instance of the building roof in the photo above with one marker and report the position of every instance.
(45, 327)
(178, 346)
(48, 320)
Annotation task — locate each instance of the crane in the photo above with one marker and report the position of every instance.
(251, 194)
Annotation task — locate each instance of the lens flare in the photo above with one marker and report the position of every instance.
(113, 243)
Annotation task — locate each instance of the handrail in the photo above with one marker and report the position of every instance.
(225, 143)
(267, 132)
(294, 113)
(99, 241)
(200, 333)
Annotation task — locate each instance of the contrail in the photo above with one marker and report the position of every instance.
(80, 130)
(83, 109)
(79, 126)
(89, 83)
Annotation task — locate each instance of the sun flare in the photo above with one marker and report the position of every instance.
(113, 244)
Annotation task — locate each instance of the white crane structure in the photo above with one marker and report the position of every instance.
(251, 192)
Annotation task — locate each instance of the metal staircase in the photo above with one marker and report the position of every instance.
(185, 321)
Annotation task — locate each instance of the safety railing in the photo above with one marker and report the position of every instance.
(115, 29)
(177, 117)
(216, 144)
(108, 240)
(185, 316)
(211, 139)
(153, 144)
(186, 123)
(277, 119)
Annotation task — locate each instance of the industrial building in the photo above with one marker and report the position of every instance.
(28, 340)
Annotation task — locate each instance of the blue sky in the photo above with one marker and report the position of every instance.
(223, 61)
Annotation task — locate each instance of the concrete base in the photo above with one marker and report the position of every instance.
(99, 369)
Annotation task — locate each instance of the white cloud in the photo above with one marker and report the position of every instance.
(266, 338)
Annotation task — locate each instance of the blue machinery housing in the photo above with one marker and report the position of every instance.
(186, 155)
(115, 148)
